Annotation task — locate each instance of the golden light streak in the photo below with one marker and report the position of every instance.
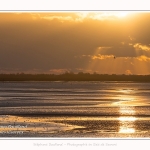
(141, 65)
(127, 118)
(127, 123)
(125, 110)
(97, 61)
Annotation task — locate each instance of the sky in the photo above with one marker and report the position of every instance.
(58, 42)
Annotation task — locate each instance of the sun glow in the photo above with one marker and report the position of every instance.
(127, 124)
(120, 14)
(103, 15)
(127, 118)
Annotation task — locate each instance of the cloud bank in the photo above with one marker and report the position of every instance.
(67, 41)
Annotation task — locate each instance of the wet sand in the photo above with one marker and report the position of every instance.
(71, 126)
(75, 109)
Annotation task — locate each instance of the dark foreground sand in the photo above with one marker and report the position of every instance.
(74, 126)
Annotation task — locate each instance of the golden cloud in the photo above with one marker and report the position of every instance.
(143, 58)
(81, 16)
(128, 72)
(58, 71)
(139, 46)
(101, 56)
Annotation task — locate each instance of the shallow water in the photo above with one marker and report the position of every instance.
(74, 109)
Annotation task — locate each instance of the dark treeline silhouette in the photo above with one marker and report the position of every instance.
(74, 77)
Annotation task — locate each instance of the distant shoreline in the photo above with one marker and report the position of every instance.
(74, 77)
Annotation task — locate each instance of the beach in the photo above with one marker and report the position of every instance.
(75, 109)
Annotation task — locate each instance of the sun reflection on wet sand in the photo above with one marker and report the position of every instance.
(127, 97)
(127, 110)
(123, 119)
(126, 130)
(127, 123)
